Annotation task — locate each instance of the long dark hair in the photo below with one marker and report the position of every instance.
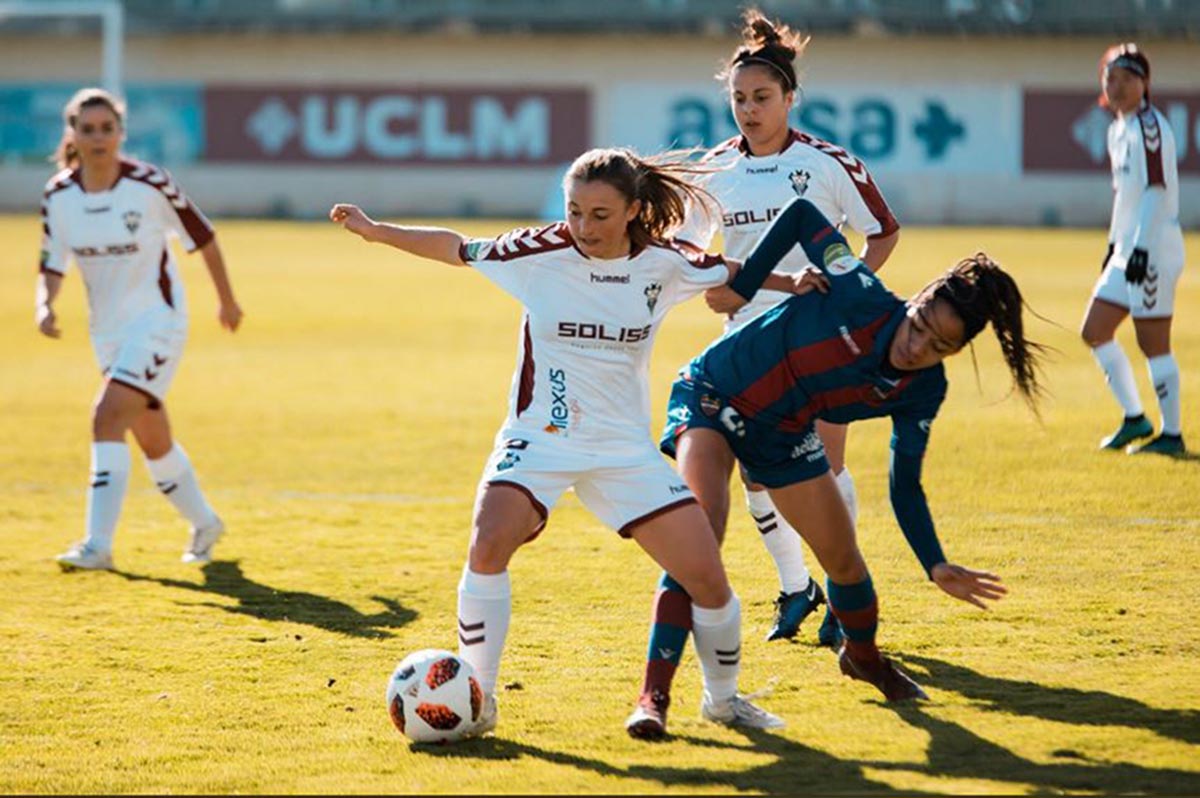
(771, 45)
(65, 154)
(661, 183)
(981, 292)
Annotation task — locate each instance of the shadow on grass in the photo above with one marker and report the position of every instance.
(261, 601)
(795, 768)
(955, 751)
(1062, 704)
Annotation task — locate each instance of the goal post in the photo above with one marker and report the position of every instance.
(112, 28)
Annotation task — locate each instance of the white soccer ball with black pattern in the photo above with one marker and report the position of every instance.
(434, 697)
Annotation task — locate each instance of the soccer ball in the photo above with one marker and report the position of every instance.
(434, 697)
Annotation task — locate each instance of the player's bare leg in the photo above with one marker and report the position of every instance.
(115, 410)
(175, 477)
(1100, 324)
(504, 519)
(816, 509)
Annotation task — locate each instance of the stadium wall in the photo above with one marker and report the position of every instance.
(958, 131)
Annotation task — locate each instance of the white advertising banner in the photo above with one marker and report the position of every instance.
(894, 128)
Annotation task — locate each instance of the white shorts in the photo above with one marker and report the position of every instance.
(623, 491)
(1153, 299)
(145, 358)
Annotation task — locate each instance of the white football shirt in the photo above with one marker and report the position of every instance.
(752, 190)
(119, 240)
(1141, 149)
(582, 376)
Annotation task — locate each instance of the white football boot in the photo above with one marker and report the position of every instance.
(739, 711)
(201, 544)
(83, 557)
(489, 716)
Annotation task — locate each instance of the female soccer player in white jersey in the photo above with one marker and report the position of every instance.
(113, 216)
(758, 173)
(1145, 254)
(595, 290)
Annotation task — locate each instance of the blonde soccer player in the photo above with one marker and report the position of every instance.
(1145, 255)
(595, 290)
(114, 217)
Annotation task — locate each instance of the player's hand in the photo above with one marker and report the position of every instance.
(724, 299)
(1135, 268)
(230, 315)
(1107, 258)
(47, 322)
(808, 279)
(353, 219)
(967, 584)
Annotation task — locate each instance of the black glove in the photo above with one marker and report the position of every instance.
(1135, 268)
(1107, 258)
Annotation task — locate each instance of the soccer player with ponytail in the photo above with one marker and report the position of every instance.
(1144, 258)
(850, 351)
(595, 289)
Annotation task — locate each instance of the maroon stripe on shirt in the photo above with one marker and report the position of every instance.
(164, 280)
(839, 397)
(194, 222)
(805, 361)
(862, 181)
(525, 391)
(1152, 143)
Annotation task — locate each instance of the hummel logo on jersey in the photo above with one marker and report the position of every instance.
(132, 220)
(666, 653)
(867, 280)
(674, 489)
(100, 209)
(800, 180)
(925, 424)
(652, 291)
(610, 278)
(762, 170)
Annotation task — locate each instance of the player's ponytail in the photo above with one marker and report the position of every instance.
(981, 292)
(771, 45)
(661, 185)
(65, 155)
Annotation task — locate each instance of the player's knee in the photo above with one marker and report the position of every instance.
(709, 587)
(844, 565)
(109, 418)
(491, 549)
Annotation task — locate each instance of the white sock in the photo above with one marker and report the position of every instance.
(110, 478)
(718, 635)
(175, 477)
(484, 609)
(1164, 375)
(781, 540)
(1119, 375)
(845, 483)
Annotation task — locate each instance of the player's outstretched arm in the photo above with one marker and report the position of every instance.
(230, 313)
(912, 513)
(48, 285)
(433, 243)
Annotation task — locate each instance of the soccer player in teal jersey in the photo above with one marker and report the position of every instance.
(851, 352)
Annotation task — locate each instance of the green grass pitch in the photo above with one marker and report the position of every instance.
(341, 433)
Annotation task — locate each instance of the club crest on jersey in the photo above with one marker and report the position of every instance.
(652, 291)
(132, 220)
(800, 180)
